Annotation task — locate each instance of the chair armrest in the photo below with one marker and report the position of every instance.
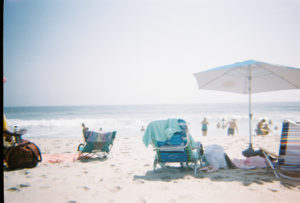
(198, 145)
(168, 148)
(199, 148)
(269, 153)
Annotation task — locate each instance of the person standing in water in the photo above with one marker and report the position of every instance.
(232, 126)
(223, 123)
(204, 126)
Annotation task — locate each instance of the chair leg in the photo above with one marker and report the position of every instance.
(195, 167)
(155, 164)
(79, 155)
(271, 165)
(201, 165)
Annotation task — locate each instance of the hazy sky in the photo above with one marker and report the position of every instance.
(94, 52)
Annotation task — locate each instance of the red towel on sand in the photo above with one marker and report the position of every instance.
(58, 158)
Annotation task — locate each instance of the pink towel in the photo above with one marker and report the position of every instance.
(58, 158)
(250, 163)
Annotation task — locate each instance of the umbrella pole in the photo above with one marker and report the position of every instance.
(249, 152)
(250, 120)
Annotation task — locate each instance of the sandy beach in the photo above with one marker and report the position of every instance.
(121, 66)
(127, 176)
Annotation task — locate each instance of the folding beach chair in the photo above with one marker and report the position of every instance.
(287, 163)
(173, 143)
(96, 143)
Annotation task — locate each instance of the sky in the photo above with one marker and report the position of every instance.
(116, 52)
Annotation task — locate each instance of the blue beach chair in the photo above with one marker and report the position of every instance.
(96, 143)
(173, 143)
(286, 165)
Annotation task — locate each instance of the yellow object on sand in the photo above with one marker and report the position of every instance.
(7, 140)
(5, 125)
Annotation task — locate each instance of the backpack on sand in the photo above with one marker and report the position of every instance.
(23, 155)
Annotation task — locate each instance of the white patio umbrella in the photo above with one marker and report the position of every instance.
(249, 77)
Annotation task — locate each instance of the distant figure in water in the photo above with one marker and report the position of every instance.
(223, 123)
(204, 126)
(232, 126)
(142, 129)
(218, 125)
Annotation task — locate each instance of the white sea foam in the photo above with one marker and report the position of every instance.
(128, 120)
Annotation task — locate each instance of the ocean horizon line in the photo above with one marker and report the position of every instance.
(154, 104)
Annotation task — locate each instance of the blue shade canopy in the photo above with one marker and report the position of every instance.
(249, 77)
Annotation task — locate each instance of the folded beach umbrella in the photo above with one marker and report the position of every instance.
(249, 77)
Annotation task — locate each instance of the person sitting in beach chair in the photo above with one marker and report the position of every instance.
(95, 143)
(18, 153)
(287, 163)
(173, 143)
(11, 138)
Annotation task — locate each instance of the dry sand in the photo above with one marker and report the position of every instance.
(127, 176)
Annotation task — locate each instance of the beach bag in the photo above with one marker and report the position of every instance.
(24, 155)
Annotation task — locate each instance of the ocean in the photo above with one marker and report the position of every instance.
(128, 120)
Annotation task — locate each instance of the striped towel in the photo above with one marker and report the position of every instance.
(91, 136)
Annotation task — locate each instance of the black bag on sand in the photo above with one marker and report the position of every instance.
(229, 162)
(23, 155)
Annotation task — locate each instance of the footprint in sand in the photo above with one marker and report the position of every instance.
(26, 172)
(13, 189)
(71, 201)
(217, 177)
(140, 181)
(115, 189)
(273, 190)
(24, 185)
